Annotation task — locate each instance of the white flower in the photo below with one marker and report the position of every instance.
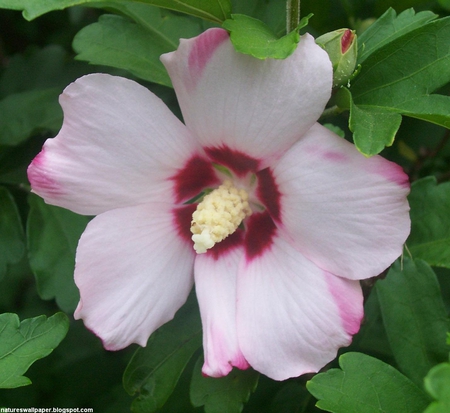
(278, 285)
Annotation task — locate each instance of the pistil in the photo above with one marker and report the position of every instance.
(218, 215)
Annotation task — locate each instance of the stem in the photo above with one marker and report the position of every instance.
(292, 15)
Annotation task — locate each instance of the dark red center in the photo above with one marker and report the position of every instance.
(199, 174)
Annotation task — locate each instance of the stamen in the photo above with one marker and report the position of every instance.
(218, 215)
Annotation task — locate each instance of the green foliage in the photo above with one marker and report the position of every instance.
(388, 28)
(373, 128)
(253, 37)
(437, 384)
(430, 228)
(12, 245)
(366, 385)
(222, 395)
(153, 372)
(23, 114)
(29, 89)
(414, 317)
(116, 41)
(22, 343)
(214, 10)
(52, 236)
(398, 77)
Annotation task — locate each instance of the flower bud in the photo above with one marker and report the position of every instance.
(341, 46)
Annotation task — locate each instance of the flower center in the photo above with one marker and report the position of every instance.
(218, 215)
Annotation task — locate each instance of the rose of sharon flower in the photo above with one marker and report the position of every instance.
(294, 215)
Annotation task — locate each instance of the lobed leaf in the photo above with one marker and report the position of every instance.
(253, 37)
(225, 394)
(414, 317)
(153, 372)
(430, 225)
(115, 41)
(52, 236)
(22, 343)
(366, 385)
(400, 76)
(389, 27)
(213, 10)
(373, 129)
(12, 245)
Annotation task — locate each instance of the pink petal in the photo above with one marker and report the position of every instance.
(118, 146)
(134, 271)
(238, 103)
(345, 212)
(292, 317)
(215, 284)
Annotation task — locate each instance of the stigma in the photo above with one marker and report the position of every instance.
(218, 215)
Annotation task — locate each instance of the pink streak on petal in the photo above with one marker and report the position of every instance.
(192, 178)
(39, 178)
(329, 155)
(182, 218)
(335, 156)
(347, 303)
(203, 49)
(222, 353)
(268, 193)
(259, 235)
(239, 162)
(390, 171)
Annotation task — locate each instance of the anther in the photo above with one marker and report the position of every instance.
(218, 215)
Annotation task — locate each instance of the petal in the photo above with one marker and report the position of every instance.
(234, 101)
(134, 271)
(292, 317)
(118, 146)
(345, 212)
(215, 285)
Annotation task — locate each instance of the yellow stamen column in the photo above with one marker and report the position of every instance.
(218, 215)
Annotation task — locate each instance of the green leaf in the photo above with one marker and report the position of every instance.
(373, 128)
(400, 76)
(366, 385)
(437, 384)
(388, 28)
(430, 222)
(225, 394)
(115, 41)
(40, 69)
(22, 343)
(414, 317)
(23, 114)
(12, 245)
(214, 10)
(52, 236)
(253, 37)
(153, 372)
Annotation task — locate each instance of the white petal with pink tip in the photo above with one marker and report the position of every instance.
(345, 212)
(292, 317)
(259, 107)
(118, 146)
(133, 272)
(215, 285)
